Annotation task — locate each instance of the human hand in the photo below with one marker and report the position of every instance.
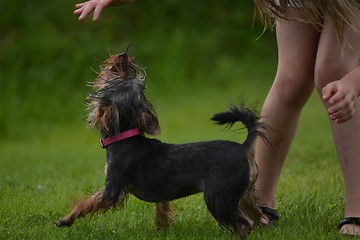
(83, 9)
(341, 98)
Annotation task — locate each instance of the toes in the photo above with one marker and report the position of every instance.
(350, 229)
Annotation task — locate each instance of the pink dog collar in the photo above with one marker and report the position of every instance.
(118, 137)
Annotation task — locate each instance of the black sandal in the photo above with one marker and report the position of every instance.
(349, 220)
(270, 212)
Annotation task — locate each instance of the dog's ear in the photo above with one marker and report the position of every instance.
(102, 118)
(149, 122)
(107, 118)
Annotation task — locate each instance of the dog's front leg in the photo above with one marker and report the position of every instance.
(163, 215)
(90, 205)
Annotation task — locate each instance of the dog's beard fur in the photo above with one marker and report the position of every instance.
(142, 166)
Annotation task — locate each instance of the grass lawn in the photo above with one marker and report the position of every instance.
(42, 176)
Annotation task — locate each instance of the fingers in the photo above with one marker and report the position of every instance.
(340, 101)
(342, 109)
(328, 91)
(339, 96)
(343, 114)
(342, 118)
(97, 12)
(79, 5)
(85, 8)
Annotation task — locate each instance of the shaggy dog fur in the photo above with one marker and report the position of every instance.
(159, 172)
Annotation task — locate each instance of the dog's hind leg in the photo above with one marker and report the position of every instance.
(163, 215)
(90, 205)
(249, 205)
(225, 209)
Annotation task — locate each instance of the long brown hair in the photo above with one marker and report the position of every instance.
(343, 13)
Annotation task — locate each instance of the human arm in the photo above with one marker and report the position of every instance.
(85, 8)
(341, 96)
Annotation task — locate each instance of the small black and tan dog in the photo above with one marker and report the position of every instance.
(158, 172)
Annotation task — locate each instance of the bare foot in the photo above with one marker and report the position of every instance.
(350, 229)
(269, 215)
(264, 220)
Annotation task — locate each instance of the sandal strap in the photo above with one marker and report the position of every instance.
(272, 213)
(349, 220)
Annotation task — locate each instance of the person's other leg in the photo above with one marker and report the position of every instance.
(293, 85)
(333, 62)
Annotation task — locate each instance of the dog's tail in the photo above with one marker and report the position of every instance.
(255, 128)
(249, 118)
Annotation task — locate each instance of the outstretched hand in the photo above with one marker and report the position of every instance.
(85, 8)
(341, 100)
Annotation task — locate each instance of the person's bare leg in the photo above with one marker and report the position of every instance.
(333, 62)
(293, 85)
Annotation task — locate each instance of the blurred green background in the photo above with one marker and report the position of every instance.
(200, 56)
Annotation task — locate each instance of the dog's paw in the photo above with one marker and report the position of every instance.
(63, 223)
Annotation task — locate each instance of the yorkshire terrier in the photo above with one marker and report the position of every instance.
(158, 172)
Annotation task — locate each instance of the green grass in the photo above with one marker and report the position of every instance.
(42, 177)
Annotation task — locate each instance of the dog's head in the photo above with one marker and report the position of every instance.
(118, 101)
